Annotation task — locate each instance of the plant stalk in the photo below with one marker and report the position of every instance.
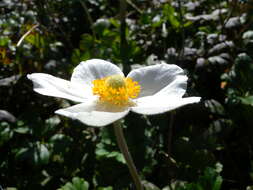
(123, 40)
(124, 149)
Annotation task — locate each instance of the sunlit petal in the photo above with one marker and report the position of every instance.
(93, 114)
(176, 88)
(52, 86)
(87, 71)
(153, 79)
(151, 105)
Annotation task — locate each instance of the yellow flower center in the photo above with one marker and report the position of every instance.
(116, 90)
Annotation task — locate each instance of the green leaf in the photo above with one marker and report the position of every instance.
(76, 184)
(187, 24)
(248, 35)
(22, 130)
(36, 153)
(105, 188)
(22, 153)
(170, 15)
(60, 143)
(211, 179)
(114, 22)
(5, 133)
(87, 42)
(217, 183)
(11, 188)
(120, 158)
(100, 25)
(53, 121)
(4, 41)
(101, 152)
(43, 154)
(246, 100)
(149, 186)
(36, 39)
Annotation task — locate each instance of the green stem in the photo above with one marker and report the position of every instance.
(123, 40)
(88, 17)
(124, 149)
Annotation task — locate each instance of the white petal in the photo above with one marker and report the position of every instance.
(176, 88)
(87, 71)
(169, 79)
(52, 86)
(151, 105)
(93, 114)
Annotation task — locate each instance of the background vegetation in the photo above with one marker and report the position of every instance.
(206, 146)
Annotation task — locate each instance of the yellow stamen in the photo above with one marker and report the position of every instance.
(116, 90)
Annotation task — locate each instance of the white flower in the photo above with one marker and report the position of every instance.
(105, 95)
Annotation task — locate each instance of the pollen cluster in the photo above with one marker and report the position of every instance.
(116, 90)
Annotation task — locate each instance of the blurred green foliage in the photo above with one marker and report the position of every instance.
(207, 146)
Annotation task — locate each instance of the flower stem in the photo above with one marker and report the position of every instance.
(124, 149)
(123, 40)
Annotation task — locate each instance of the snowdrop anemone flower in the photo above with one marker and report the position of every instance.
(105, 95)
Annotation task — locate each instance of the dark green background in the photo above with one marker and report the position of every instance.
(205, 146)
